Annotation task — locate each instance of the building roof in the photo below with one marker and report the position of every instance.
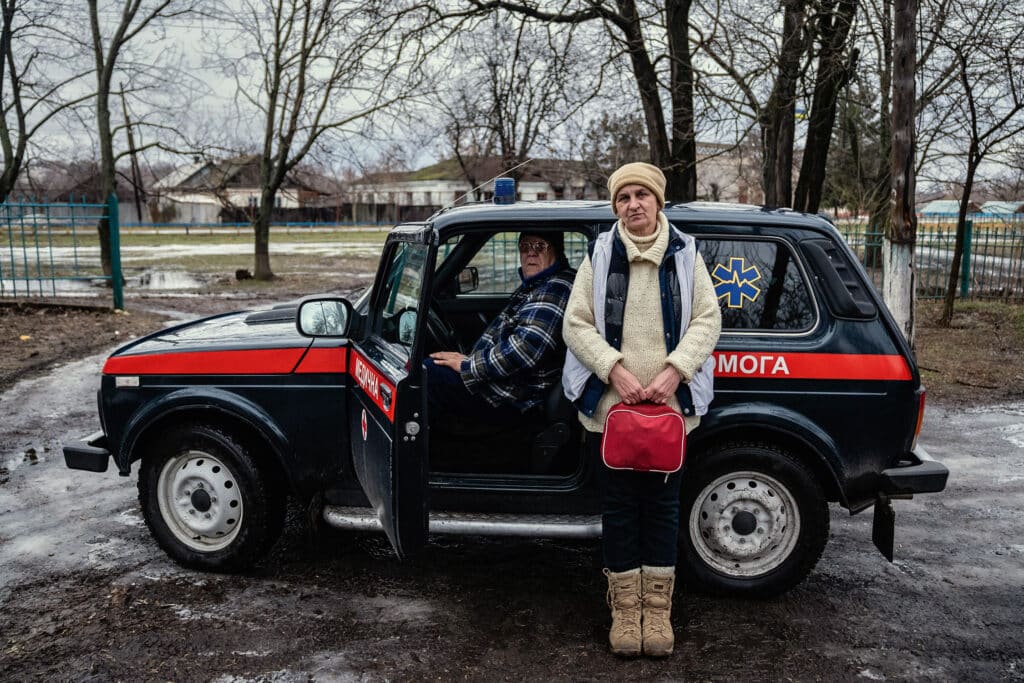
(1003, 207)
(946, 207)
(240, 171)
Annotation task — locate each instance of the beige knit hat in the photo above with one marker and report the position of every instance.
(638, 173)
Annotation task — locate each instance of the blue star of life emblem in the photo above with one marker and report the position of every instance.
(736, 282)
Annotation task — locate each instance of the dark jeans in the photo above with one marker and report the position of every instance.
(640, 516)
(448, 399)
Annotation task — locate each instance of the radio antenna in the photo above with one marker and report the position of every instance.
(490, 180)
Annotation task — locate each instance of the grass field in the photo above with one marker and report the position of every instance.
(67, 255)
(84, 237)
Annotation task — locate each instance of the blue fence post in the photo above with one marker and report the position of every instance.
(115, 251)
(965, 264)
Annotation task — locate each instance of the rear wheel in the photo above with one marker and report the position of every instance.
(207, 501)
(754, 521)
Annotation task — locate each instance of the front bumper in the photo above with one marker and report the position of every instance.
(916, 473)
(88, 454)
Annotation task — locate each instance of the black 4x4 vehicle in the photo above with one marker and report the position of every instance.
(817, 399)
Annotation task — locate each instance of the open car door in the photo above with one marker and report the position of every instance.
(387, 416)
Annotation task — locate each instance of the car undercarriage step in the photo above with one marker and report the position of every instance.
(485, 524)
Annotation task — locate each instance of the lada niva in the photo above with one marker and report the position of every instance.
(818, 400)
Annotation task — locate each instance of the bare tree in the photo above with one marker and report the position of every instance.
(520, 82)
(987, 41)
(309, 70)
(612, 140)
(108, 45)
(748, 56)
(30, 96)
(835, 66)
(654, 37)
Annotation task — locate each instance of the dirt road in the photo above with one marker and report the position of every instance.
(85, 594)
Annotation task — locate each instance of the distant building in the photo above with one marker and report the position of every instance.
(415, 195)
(728, 173)
(72, 182)
(214, 191)
(725, 173)
(946, 208)
(1003, 208)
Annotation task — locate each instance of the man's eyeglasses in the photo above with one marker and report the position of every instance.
(529, 246)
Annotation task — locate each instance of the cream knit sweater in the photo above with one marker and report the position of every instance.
(643, 343)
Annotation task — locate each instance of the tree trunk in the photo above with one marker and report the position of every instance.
(261, 251)
(834, 71)
(973, 161)
(778, 118)
(880, 200)
(647, 84)
(107, 171)
(12, 158)
(681, 176)
(901, 237)
(261, 233)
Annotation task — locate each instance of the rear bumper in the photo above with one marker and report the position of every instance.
(916, 473)
(88, 454)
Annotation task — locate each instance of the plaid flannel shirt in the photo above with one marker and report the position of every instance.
(521, 353)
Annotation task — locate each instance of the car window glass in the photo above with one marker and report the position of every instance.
(400, 293)
(759, 285)
(446, 248)
(497, 262)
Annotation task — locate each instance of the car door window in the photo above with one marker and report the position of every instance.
(400, 294)
(760, 285)
(497, 262)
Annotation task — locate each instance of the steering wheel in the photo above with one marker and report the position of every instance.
(441, 333)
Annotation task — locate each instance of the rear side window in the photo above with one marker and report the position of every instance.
(759, 284)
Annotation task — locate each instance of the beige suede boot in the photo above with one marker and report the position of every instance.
(624, 599)
(658, 637)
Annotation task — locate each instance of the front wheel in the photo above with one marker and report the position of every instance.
(754, 521)
(207, 501)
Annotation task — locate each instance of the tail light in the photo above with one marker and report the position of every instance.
(920, 417)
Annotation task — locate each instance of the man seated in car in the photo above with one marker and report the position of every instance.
(519, 357)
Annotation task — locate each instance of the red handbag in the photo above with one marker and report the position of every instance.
(647, 437)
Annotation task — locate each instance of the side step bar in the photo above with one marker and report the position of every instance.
(476, 523)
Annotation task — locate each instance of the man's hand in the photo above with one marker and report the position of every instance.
(449, 359)
(626, 384)
(663, 386)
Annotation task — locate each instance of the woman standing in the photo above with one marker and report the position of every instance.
(641, 323)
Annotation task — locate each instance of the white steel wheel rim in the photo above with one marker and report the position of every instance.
(200, 501)
(744, 524)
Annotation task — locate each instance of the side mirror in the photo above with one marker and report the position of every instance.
(407, 326)
(469, 280)
(324, 318)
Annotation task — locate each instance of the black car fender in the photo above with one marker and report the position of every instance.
(754, 422)
(210, 404)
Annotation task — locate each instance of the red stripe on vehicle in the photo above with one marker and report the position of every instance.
(248, 362)
(852, 366)
(324, 360)
(372, 382)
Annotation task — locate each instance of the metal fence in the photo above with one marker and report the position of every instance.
(993, 259)
(51, 249)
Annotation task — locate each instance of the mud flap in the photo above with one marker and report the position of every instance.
(883, 528)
